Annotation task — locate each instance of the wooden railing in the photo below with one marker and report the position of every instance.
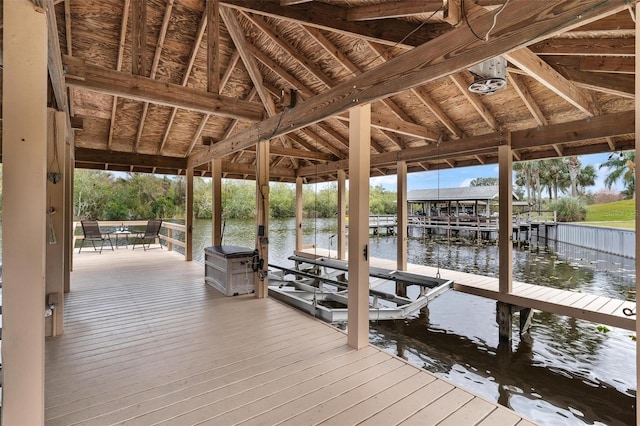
(137, 226)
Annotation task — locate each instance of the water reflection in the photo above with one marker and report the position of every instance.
(565, 372)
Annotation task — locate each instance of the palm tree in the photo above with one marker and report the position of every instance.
(554, 176)
(573, 164)
(622, 167)
(586, 177)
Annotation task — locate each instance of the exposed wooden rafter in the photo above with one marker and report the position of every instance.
(475, 101)
(394, 9)
(334, 18)
(154, 68)
(123, 35)
(529, 62)
(139, 37)
(140, 88)
(453, 51)
(487, 145)
(185, 78)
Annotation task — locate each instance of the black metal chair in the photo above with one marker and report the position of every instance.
(150, 234)
(91, 231)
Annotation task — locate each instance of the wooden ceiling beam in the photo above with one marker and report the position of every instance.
(185, 78)
(529, 62)
(247, 54)
(591, 128)
(436, 110)
(622, 85)
(394, 9)
(213, 46)
(458, 49)
(292, 2)
(318, 140)
(422, 96)
(293, 52)
(521, 89)
(123, 35)
(607, 64)
(585, 47)
(297, 153)
(139, 37)
(556, 134)
(86, 155)
(304, 62)
(140, 88)
(383, 122)
(475, 101)
(241, 44)
(334, 18)
(154, 68)
(250, 170)
(54, 64)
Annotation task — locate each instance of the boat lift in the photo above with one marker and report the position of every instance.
(319, 287)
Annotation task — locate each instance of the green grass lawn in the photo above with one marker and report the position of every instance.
(619, 214)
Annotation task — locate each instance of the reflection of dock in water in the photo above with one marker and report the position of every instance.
(510, 370)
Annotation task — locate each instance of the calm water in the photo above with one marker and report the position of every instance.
(566, 372)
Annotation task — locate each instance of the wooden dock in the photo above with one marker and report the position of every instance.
(589, 307)
(146, 342)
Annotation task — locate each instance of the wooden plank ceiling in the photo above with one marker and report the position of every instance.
(163, 84)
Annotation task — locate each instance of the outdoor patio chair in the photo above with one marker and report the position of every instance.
(91, 231)
(149, 236)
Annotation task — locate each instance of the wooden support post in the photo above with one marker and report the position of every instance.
(188, 250)
(505, 246)
(359, 160)
(169, 243)
(402, 207)
(262, 216)
(24, 148)
(637, 108)
(216, 202)
(56, 206)
(504, 315)
(342, 215)
(505, 169)
(299, 205)
(402, 222)
(68, 212)
(526, 317)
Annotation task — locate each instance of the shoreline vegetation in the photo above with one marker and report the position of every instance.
(105, 196)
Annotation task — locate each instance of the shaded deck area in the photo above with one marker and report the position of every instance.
(146, 342)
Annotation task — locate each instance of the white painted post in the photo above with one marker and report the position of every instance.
(359, 164)
(216, 204)
(262, 216)
(24, 157)
(342, 215)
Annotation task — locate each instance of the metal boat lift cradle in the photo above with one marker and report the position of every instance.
(308, 292)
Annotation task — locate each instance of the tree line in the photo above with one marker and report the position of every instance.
(103, 196)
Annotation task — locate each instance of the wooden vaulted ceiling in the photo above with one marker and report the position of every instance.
(161, 85)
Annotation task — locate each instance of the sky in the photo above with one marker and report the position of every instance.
(462, 176)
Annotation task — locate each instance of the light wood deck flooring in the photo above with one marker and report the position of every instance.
(147, 342)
